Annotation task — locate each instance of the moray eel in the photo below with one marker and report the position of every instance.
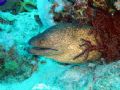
(64, 43)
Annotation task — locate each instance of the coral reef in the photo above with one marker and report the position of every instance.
(24, 7)
(107, 27)
(103, 16)
(8, 5)
(106, 24)
(74, 11)
(18, 6)
(49, 75)
(79, 10)
(14, 66)
(117, 4)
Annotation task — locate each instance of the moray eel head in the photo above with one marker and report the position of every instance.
(63, 43)
(49, 43)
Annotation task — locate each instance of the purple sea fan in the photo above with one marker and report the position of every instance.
(2, 2)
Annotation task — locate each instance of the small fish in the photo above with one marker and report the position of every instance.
(63, 43)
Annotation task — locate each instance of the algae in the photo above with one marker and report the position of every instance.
(14, 66)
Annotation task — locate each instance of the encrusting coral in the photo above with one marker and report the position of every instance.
(72, 12)
(15, 66)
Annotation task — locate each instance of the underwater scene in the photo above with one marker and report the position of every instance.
(59, 44)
